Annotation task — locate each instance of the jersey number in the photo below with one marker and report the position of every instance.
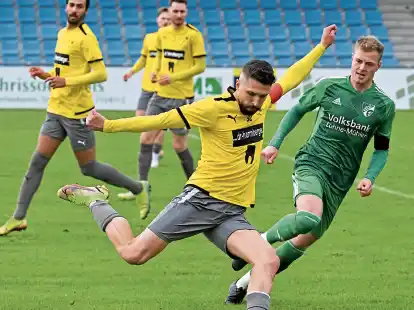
(251, 149)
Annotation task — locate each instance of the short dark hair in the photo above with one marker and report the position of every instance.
(178, 1)
(86, 4)
(162, 10)
(259, 70)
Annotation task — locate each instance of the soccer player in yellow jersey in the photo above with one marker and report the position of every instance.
(181, 56)
(78, 63)
(146, 61)
(223, 185)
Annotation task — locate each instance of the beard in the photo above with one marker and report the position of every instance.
(75, 21)
(248, 110)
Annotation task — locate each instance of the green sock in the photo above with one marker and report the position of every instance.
(292, 225)
(288, 253)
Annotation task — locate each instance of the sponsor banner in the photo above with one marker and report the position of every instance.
(18, 90)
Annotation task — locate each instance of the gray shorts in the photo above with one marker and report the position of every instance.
(59, 127)
(144, 99)
(158, 105)
(194, 212)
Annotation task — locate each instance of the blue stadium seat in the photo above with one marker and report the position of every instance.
(46, 3)
(388, 48)
(115, 48)
(268, 4)
(193, 17)
(47, 15)
(240, 49)
(236, 33)
(26, 15)
(28, 3)
(91, 16)
(208, 5)
(215, 33)
(33, 59)
(315, 33)
(96, 29)
(272, 17)
(345, 61)
(252, 17)
(343, 49)
(269, 59)
(256, 33)
(134, 48)
(151, 27)
(112, 32)
(277, 33)
(328, 4)
(209, 61)
(223, 61)
(342, 34)
(288, 5)
(11, 60)
(228, 4)
(390, 62)
(128, 4)
(357, 31)
(130, 16)
(8, 31)
(380, 32)
(232, 17)
(211, 17)
(7, 15)
(6, 3)
(248, 4)
(219, 49)
(28, 31)
(353, 18)
(261, 49)
(313, 17)
(281, 49)
(292, 18)
(117, 60)
(49, 46)
(284, 61)
(49, 32)
(49, 59)
(308, 4)
(348, 4)
(327, 61)
(133, 32)
(241, 61)
(301, 48)
(368, 4)
(297, 33)
(145, 4)
(9, 47)
(31, 47)
(106, 4)
(333, 17)
(109, 16)
(373, 17)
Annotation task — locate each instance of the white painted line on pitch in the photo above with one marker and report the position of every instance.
(380, 188)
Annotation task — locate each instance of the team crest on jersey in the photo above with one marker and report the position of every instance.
(367, 109)
(62, 59)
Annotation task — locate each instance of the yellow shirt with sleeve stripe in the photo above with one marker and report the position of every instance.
(177, 49)
(146, 61)
(231, 142)
(77, 54)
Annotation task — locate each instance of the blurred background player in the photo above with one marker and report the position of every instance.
(146, 60)
(78, 63)
(352, 111)
(181, 55)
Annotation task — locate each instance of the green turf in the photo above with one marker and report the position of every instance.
(63, 261)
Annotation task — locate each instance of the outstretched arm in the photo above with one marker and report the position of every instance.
(300, 70)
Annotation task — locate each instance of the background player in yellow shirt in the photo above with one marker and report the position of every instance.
(78, 63)
(146, 62)
(181, 56)
(223, 185)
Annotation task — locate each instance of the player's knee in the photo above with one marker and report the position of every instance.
(179, 144)
(147, 138)
(268, 261)
(306, 221)
(38, 162)
(89, 169)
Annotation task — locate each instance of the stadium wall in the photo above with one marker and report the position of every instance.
(19, 91)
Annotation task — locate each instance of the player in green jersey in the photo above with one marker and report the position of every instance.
(352, 110)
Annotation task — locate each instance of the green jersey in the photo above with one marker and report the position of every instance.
(345, 123)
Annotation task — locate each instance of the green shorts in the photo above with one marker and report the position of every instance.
(308, 181)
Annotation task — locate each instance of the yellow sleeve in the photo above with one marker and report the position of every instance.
(198, 67)
(298, 71)
(97, 74)
(198, 47)
(199, 114)
(140, 64)
(157, 61)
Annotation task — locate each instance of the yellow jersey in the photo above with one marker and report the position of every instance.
(178, 48)
(231, 143)
(76, 49)
(149, 51)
